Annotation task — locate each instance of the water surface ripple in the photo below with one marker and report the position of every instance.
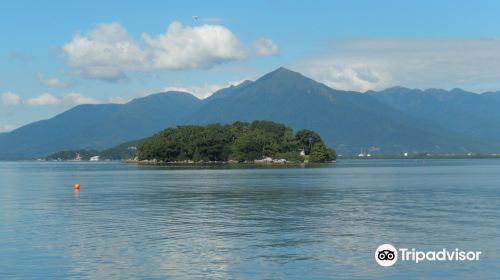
(322, 222)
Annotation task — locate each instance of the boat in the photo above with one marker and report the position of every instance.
(361, 154)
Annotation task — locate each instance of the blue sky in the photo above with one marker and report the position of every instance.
(57, 54)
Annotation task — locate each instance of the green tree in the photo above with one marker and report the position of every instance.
(239, 141)
(306, 139)
(321, 153)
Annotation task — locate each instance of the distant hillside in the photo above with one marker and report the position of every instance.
(349, 121)
(126, 150)
(392, 121)
(467, 113)
(226, 92)
(98, 126)
(492, 95)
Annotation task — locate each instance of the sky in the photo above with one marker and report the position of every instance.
(55, 55)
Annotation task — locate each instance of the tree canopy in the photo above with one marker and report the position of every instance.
(239, 141)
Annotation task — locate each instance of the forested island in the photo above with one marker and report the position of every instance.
(258, 142)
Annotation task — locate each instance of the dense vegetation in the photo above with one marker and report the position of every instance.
(71, 154)
(239, 141)
(123, 151)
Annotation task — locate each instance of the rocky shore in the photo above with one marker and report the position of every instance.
(160, 162)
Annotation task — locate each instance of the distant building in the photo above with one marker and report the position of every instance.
(78, 157)
(95, 158)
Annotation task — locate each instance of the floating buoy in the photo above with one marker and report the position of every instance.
(76, 187)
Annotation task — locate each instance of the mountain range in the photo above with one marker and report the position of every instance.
(390, 121)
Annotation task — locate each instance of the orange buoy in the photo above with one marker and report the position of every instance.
(76, 187)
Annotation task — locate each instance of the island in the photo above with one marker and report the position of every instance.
(239, 142)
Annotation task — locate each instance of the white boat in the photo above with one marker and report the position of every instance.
(361, 154)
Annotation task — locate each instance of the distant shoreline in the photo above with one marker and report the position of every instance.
(421, 157)
(230, 162)
(340, 158)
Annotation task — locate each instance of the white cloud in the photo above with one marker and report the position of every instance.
(203, 91)
(118, 100)
(9, 98)
(43, 99)
(346, 75)
(51, 82)
(74, 98)
(200, 47)
(7, 127)
(47, 99)
(422, 63)
(108, 52)
(265, 47)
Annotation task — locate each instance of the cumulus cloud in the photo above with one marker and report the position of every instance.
(74, 98)
(7, 127)
(108, 52)
(51, 82)
(9, 98)
(422, 63)
(265, 47)
(185, 47)
(118, 100)
(203, 91)
(347, 75)
(43, 100)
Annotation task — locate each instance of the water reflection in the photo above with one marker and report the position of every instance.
(233, 222)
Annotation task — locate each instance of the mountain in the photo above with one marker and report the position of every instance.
(98, 126)
(225, 92)
(392, 121)
(492, 95)
(476, 115)
(349, 121)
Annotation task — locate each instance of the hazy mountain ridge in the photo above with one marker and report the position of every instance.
(98, 126)
(476, 115)
(390, 121)
(349, 121)
(492, 95)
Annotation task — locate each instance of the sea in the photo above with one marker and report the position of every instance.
(321, 221)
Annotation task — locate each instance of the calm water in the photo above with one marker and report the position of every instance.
(129, 221)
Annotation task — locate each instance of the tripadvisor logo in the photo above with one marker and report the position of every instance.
(387, 255)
